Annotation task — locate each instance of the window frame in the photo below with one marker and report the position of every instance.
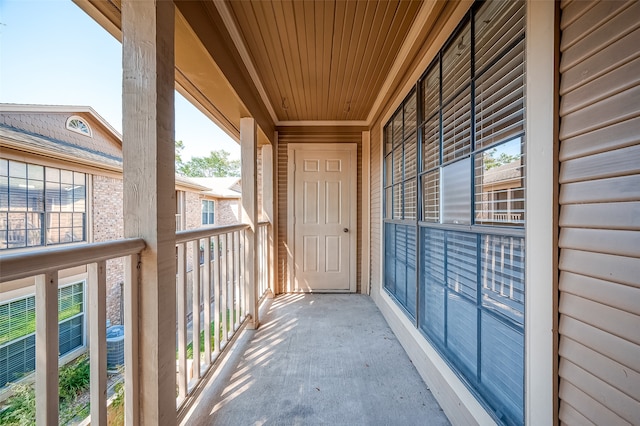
(53, 185)
(210, 212)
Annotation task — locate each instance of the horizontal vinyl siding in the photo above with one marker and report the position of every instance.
(599, 241)
(311, 135)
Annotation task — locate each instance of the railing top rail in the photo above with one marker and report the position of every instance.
(264, 223)
(194, 234)
(22, 265)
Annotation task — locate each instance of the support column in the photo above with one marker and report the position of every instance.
(149, 195)
(249, 165)
(267, 208)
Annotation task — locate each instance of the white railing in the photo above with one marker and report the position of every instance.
(217, 297)
(44, 266)
(262, 248)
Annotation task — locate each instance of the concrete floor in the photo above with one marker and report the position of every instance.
(320, 359)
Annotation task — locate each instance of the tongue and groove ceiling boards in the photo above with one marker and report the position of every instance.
(290, 61)
(322, 60)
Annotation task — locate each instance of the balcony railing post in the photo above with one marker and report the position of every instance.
(97, 295)
(182, 321)
(47, 349)
(206, 296)
(131, 382)
(216, 294)
(249, 155)
(195, 298)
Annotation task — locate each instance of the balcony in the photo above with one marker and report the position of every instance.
(314, 359)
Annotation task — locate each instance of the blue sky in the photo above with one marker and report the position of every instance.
(52, 53)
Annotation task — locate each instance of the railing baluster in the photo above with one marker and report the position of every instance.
(182, 322)
(97, 295)
(206, 296)
(232, 279)
(245, 299)
(47, 348)
(195, 317)
(216, 295)
(236, 257)
(131, 383)
(224, 279)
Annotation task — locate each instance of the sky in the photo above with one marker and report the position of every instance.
(53, 53)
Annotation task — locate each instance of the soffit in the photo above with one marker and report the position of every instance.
(322, 60)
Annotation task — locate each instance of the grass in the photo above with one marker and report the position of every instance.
(231, 317)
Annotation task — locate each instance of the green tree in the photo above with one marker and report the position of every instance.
(491, 160)
(216, 164)
(179, 148)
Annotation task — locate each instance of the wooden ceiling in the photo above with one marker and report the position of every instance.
(321, 60)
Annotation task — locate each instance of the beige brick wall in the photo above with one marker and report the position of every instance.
(107, 225)
(227, 212)
(193, 210)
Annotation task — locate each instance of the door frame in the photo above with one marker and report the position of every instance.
(352, 192)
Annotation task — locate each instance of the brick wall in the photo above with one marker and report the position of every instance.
(108, 224)
(227, 212)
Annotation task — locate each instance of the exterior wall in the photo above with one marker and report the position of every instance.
(311, 135)
(599, 285)
(53, 125)
(108, 224)
(193, 210)
(227, 211)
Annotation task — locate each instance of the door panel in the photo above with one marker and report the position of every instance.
(322, 216)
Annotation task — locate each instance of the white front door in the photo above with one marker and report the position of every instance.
(323, 212)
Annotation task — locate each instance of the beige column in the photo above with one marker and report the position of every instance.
(249, 165)
(268, 209)
(149, 196)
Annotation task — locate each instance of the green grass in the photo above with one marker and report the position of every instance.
(230, 322)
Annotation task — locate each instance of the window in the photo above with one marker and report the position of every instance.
(17, 331)
(207, 212)
(40, 206)
(78, 125)
(454, 256)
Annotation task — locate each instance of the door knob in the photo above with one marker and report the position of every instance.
(345, 230)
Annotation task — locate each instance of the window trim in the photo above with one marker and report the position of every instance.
(77, 118)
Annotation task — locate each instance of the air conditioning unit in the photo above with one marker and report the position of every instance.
(115, 346)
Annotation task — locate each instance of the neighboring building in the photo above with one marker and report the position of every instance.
(221, 204)
(61, 184)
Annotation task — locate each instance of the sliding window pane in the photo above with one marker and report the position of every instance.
(388, 202)
(431, 196)
(410, 115)
(388, 170)
(456, 127)
(397, 128)
(431, 93)
(456, 192)
(411, 156)
(499, 185)
(398, 201)
(431, 144)
(456, 64)
(398, 165)
(410, 199)
(432, 283)
(498, 24)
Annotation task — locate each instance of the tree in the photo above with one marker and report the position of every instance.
(490, 160)
(179, 148)
(216, 164)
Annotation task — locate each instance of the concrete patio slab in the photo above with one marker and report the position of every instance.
(317, 359)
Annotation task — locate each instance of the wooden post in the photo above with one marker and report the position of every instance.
(131, 360)
(249, 164)
(267, 207)
(47, 349)
(148, 29)
(97, 295)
